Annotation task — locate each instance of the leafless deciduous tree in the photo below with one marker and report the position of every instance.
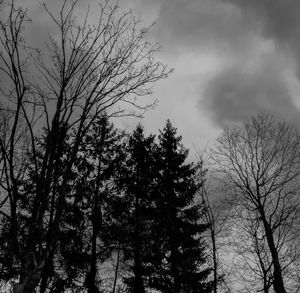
(87, 69)
(260, 164)
(212, 216)
(252, 261)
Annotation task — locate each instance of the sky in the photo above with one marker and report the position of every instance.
(231, 59)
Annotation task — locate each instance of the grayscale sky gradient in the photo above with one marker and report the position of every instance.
(232, 58)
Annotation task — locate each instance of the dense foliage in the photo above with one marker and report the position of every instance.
(131, 196)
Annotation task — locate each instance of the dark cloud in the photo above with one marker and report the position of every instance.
(238, 32)
(213, 24)
(194, 25)
(232, 30)
(233, 95)
(237, 92)
(277, 19)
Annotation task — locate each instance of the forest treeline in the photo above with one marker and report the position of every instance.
(87, 207)
(130, 205)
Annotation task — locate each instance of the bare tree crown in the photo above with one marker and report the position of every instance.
(50, 95)
(259, 162)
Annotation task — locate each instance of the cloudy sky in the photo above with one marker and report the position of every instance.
(231, 59)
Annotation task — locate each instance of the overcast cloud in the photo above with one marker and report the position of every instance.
(237, 93)
(256, 45)
(232, 58)
(259, 43)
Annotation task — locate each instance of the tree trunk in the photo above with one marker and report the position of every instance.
(117, 269)
(46, 273)
(91, 275)
(96, 221)
(30, 276)
(215, 269)
(278, 284)
(174, 271)
(138, 284)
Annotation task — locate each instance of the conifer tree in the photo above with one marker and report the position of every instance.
(136, 183)
(81, 247)
(178, 263)
(96, 164)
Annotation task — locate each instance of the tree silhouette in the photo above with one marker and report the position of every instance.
(136, 183)
(85, 70)
(179, 249)
(259, 163)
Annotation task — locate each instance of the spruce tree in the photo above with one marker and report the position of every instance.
(178, 263)
(96, 165)
(136, 184)
(82, 247)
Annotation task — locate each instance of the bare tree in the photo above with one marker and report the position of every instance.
(215, 218)
(252, 260)
(88, 68)
(260, 164)
(210, 219)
